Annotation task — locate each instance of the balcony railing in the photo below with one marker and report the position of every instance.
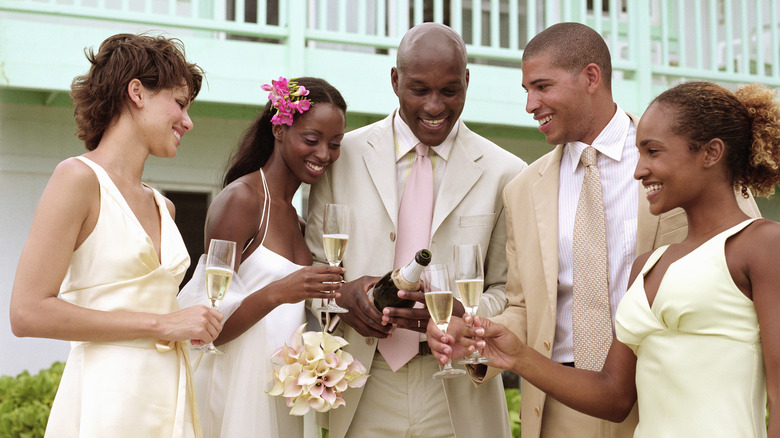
(653, 42)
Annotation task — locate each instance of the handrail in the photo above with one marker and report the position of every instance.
(653, 43)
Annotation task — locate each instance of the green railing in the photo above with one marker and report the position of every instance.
(653, 42)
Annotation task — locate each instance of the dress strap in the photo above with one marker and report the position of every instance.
(265, 215)
(653, 259)
(737, 228)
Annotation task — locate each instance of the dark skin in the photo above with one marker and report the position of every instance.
(236, 215)
(700, 183)
(430, 81)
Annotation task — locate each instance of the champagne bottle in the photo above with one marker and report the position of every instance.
(385, 292)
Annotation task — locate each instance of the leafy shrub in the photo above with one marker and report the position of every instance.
(25, 402)
(513, 403)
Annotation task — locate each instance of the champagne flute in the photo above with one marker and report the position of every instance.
(470, 280)
(438, 300)
(219, 273)
(335, 234)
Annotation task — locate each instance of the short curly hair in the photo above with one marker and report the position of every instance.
(747, 121)
(99, 96)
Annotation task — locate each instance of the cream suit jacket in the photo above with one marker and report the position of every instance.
(531, 206)
(468, 209)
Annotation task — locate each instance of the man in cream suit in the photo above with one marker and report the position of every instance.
(469, 173)
(566, 72)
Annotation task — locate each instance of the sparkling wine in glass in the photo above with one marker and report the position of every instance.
(470, 280)
(335, 234)
(219, 273)
(438, 300)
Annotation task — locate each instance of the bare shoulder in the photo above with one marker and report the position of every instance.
(242, 194)
(639, 263)
(760, 238)
(73, 182)
(238, 208)
(171, 207)
(76, 172)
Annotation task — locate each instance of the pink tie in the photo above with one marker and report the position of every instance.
(414, 233)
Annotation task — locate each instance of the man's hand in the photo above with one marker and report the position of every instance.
(362, 315)
(415, 319)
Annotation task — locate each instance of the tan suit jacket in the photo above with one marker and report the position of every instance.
(531, 208)
(468, 209)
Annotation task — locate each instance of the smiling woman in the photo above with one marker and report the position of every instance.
(103, 260)
(294, 140)
(696, 334)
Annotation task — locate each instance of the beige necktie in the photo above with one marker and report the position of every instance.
(591, 315)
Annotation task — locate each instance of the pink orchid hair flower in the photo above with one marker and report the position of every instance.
(286, 97)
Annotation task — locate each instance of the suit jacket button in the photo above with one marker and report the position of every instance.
(538, 412)
(369, 341)
(547, 345)
(392, 236)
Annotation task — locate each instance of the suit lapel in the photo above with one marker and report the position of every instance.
(460, 175)
(383, 176)
(545, 202)
(646, 224)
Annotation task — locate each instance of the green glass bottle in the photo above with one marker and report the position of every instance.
(385, 292)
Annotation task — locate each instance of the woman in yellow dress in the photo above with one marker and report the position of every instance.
(103, 261)
(697, 335)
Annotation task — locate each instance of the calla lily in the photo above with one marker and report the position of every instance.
(278, 388)
(329, 361)
(341, 386)
(338, 402)
(358, 381)
(293, 390)
(307, 377)
(318, 404)
(299, 406)
(313, 354)
(332, 343)
(333, 377)
(290, 371)
(312, 338)
(329, 395)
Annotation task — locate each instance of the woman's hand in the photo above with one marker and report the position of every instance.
(198, 324)
(451, 345)
(310, 282)
(497, 342)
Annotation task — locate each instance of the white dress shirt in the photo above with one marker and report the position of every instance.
(617, 161)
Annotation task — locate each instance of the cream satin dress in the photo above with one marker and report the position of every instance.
(700, 369)
(136, 388)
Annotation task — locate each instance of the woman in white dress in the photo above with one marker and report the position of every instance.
(103, 261)
(277, 153)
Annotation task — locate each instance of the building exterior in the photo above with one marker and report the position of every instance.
(242, 44)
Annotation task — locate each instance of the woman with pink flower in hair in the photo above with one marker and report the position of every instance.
(294, 140)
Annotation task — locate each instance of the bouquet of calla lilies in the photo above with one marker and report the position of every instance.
(313, 371)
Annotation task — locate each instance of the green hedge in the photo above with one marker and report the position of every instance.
(25, 402)
(513, 403)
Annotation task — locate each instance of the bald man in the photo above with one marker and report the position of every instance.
(469, 173)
